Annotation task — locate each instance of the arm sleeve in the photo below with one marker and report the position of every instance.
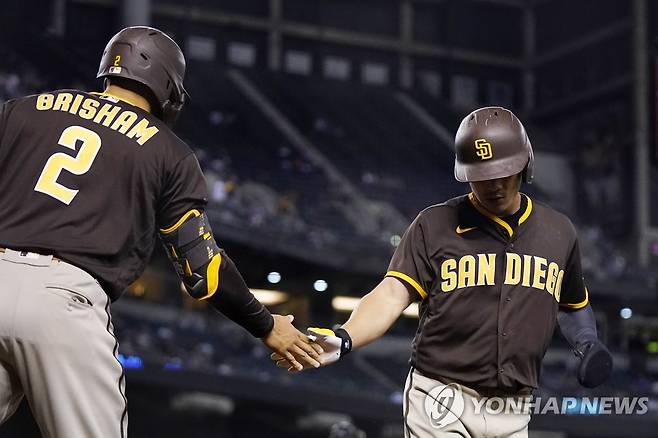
(411, 262)
(578, 326)
(235, 300)
(184, 189)
(574, 294)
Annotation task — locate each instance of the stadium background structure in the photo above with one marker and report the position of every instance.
(311, 116)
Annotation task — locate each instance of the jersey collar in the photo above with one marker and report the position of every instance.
(112, 96)
(472, 215)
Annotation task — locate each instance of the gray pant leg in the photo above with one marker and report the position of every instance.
(11, 392)
(507, 425)
(64, 352)
(439, 410)
(418, 422)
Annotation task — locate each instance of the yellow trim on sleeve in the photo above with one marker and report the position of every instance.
(494, 218)
(528, 210)
(409, 280)
(212, 275)
(180, 222)
(578, 305)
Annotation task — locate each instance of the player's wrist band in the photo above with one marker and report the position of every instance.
(346, 344)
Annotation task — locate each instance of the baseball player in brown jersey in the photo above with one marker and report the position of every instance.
(494, 270)
(87, 183)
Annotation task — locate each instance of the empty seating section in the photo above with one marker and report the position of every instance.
(367, 133)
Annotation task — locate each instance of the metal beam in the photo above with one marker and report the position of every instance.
(359, 39)
(529, 50)
(641, 105)
(135, 12)
(445, 137)
(510, 3)
(333, 35)
(594, 37)
(585, 96)
(325, 34)
(274, 36)
(406, 71)
(58, 20)
(97, 2)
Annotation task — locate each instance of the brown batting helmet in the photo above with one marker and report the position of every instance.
(492, 143)
(150, 57)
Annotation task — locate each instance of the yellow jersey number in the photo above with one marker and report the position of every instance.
(78, 165)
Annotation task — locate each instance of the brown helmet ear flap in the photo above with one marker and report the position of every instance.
(171, 110)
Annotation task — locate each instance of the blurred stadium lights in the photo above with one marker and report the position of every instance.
(274, 277)
(270, 297)
(131, 362)
(347, 304)
(138, 288)
(173, 365)
(320, 285)
(652, 347)
(626, 313)
(203, 402)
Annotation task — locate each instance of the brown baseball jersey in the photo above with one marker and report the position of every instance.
(90, 178)
(490, 287)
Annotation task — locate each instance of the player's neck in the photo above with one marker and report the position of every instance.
(128, 96)
(513, 208)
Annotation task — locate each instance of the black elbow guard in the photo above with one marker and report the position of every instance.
(209, 274)
(194, 253)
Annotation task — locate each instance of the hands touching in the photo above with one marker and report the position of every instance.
(371, 318)
(291, 345)
(334, 345)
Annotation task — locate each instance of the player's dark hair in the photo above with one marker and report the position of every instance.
(139, 88)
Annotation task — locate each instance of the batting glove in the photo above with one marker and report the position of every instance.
(335, 344)
(595, 363)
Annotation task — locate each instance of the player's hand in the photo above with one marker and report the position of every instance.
(292, 345)
(595, 363)
(333, 344)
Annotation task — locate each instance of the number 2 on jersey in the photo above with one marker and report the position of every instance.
(78, 165)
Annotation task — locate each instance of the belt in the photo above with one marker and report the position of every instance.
(55, 259)
(485, 391)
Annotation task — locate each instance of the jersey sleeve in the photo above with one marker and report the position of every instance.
(411, 262)
(574, 294)
(184, 190)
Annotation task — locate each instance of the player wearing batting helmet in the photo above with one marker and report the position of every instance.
(495, 271)
(88, 181)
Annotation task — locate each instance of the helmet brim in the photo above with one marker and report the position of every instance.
(483, 171)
